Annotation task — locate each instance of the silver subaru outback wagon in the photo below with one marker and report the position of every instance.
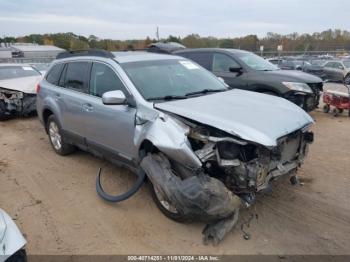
(207, 149)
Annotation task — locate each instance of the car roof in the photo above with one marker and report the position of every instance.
(228, 50)
(136, 56)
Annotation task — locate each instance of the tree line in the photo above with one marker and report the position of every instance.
(329, 40)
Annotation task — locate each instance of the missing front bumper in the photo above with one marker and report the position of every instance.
(15, 103)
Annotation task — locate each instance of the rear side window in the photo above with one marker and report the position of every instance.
(103, 79)
(76, 76)
(54, 75)
(203, 59)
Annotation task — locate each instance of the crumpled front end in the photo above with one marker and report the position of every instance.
(16, 103)
(246, 168)
(206, 174)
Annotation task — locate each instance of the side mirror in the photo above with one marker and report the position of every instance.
(114, 98)
(235, 69)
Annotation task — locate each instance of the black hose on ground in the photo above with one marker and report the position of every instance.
(140, 180)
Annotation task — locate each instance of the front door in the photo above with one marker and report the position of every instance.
(109, 128)
(221, 67)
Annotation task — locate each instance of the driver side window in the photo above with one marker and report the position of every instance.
(103, 79)
(222, 63)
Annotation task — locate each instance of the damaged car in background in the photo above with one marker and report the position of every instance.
(207, 149)
(17, 90)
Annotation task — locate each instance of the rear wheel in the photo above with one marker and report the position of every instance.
(56, 138)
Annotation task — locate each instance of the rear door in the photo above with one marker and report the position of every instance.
(72, 96)
(110, 129)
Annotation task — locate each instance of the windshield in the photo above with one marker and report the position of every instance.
(347, 64)
(256, 62)
(171, 79)
(10, 72)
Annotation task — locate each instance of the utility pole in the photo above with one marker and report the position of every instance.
(157, 33)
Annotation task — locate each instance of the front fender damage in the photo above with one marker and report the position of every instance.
(207, 174)
(15, 103)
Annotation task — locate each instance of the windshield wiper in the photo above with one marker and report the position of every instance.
(205, 91)
(168, 97)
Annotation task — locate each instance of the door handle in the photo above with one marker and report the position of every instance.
(87, 107)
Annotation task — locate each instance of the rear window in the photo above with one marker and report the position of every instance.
(54, 75)
(11, 72)
(204, 59)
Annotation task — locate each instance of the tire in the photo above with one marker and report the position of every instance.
(3, 114)
(335, 112)
(326, 108)
(56, 138)
(340, 110)
(177, 217)
(347, 79)
(19, 256)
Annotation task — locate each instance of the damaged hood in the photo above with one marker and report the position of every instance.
(249, 115)
(23, 84)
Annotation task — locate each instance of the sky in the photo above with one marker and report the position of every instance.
(137, 19)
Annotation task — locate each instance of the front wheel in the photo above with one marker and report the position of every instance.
(19, 256)
(56, 138)
(167, 208)
(347, 80)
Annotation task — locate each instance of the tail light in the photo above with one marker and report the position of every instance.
(37, 88)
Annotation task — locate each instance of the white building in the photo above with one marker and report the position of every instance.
(5, 53)
(36, 51)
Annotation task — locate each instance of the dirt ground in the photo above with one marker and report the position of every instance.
(54, 202)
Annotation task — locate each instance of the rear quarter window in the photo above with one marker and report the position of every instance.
(54, 74)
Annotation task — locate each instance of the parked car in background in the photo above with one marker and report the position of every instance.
(245, 70)
(12, 241)
(301, 65)
(338, 70)
(17, 90)
(164, 47)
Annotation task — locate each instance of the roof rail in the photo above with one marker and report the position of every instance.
(88, 52)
